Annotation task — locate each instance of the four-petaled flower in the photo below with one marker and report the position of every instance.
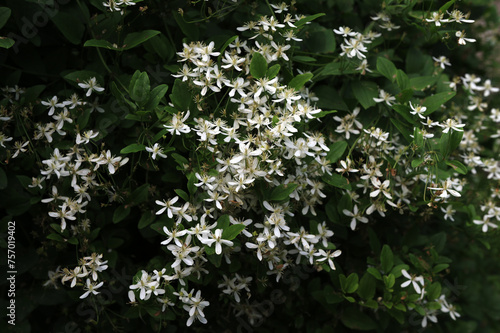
(91, 85)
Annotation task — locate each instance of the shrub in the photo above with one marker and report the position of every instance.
(246, 165)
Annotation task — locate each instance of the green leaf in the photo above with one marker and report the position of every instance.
(321, 114)
(365, 92)
(139, 195)
(374, 272)
(306, 19)
(447, 5)
(73, 240)
(83, 120)
(134, 117)
(162, 47)
(402, 80)
(189, 29)
(146, 219)
(120, 98)
(329, 98)
(439, 267)
(434, 102)
(371, 303)
(223, 222)
(331, 296)
(449, 142)
(433, 291)
(69, 27)
(258, 65)
(273, 71)
(182, 194)
(320, 40)
(81, 76)
(181, 160)
(396, 271)
(4, 15)
(56, 237)
(386, 259)
(337, 149)
(6, 43)
(303, 59)
(457, 166)
(232, 231)
(299, 81)
(121, 213)
(416, 162)
(159, 135)
(191, 183)
(418, 138)
(367, 286)
(133, 148)
(226, 44)
(180, 96)
(402, 129)
(136, 38)
(100, 43)
(337, 180)
(214, 259)
(338, 68)
(404, 111)
(404, 96)
(139, 87)
(32, 93)
(389, 281)
(351, 283)
(422, 82)
(386, 68)
(282, 192)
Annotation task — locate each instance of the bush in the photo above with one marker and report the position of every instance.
(246, 165)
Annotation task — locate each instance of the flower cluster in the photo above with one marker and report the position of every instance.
(418, 284)
(88, 269)
(148, 285)
(118, 5)
(259, 142)
(455, 16)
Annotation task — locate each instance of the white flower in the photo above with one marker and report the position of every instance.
(168, 205)
(91, 85)
(414, 280)
(461, 38)
(356, 216)
(437, 18)
(442, 61)
(328, 256)
(418, 110)
(384, 97)
(486, 223)
(91, 288)
(217, 239)
(345, 31)
(448, 212)
(380, 187)
(451, 124)
(487, 88)
(87, 135)
(19, 146)
(459, 17)
(4, 138)
(443, 191)
(157, 150)
(52, 104)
